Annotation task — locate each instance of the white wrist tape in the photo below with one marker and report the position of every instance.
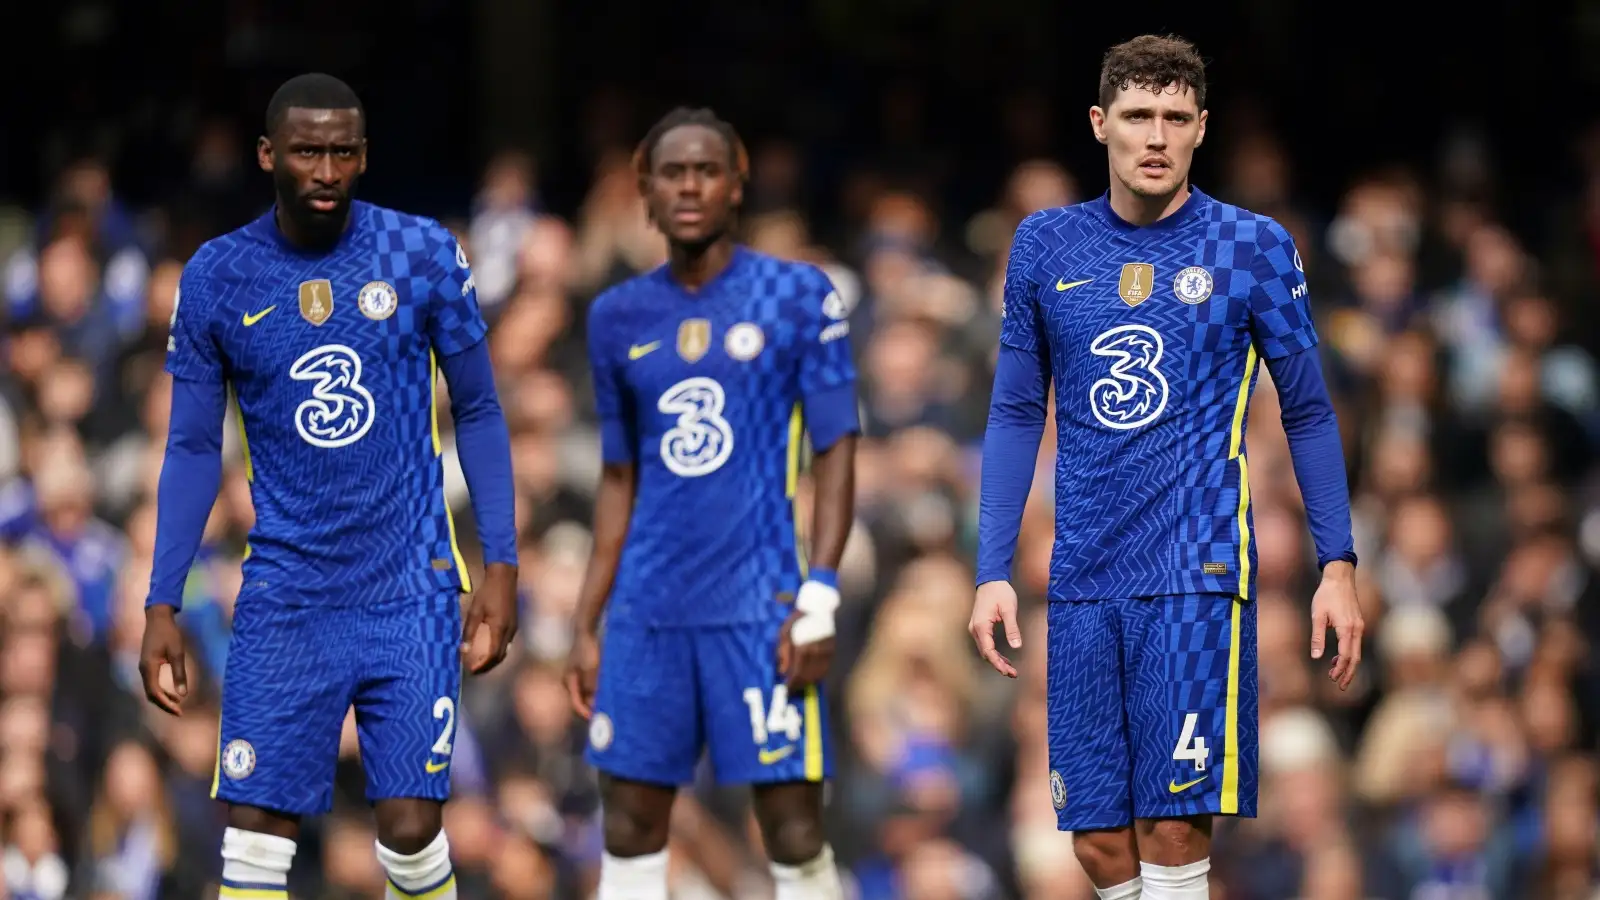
(817, 603)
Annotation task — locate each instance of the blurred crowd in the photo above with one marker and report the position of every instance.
(1461, 766)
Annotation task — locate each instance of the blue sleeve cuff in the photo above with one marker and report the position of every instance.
(1312, 426)
(483, 443)
(832, 415)
(616, 441)
(191, 474)
(1010, 453)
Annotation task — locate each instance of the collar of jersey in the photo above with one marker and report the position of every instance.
(267, 227)
(664, 275)
(1190, 208)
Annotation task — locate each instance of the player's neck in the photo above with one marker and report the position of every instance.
(1139, 210)
(694, 266)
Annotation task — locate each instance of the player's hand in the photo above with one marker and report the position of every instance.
(161, 654)
(806, 642)
(583, 672)
(802, 665)
(996, 602)
(1336, 606)
(491, 619)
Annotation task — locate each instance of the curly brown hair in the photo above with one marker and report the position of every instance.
(739, 159)
(1153, 61)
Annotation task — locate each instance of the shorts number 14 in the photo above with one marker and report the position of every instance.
(780, 717)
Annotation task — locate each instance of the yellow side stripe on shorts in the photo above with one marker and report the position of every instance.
(813, 735)
(216, 767)
(1230, 752)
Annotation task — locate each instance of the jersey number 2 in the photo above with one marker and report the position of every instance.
(1192, 747)
(445, 708)
(779, 718)
(702, 440)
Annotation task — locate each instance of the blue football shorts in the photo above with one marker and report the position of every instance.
(667, 694)
(293, 672)
(1152, 709)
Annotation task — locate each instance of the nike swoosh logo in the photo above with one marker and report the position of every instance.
(1175, 788)
(435, 768)
(1063, 285)
(252, 319)
(638, 350)
(768, 757)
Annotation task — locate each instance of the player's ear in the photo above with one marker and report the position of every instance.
(1200, 137)
(264, 153)
(1097, 123)
(363, 170)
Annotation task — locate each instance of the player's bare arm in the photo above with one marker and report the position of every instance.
(806, 648)
(613, 507)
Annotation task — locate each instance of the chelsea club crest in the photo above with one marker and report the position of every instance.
(1193, 285)
(1058, 790)
(377, 300)
(238, 759)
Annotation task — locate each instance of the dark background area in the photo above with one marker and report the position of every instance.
(975, 86)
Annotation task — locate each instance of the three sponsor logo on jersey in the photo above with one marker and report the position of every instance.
(340, 410)
(1133, 392)
(702, 439)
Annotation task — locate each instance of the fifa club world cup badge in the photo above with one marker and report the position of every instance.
(316, 300)
(694, 339)
(1134, 285)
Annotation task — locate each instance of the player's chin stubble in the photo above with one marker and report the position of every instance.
(315, 224)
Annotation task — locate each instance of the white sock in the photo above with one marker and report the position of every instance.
(423, 874)
(1176, 882)
(633, 877)
(814, 880)
(1128, 890)
(255, 865)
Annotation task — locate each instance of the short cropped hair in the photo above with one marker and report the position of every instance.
(1153, 62)
(313, 90)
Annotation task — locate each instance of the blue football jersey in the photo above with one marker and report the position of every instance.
(1153, 336)
(333, 361)
(710, 390)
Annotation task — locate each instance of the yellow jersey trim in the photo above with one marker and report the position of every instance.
(791, 487)
(244, 439)
(1236, 452)
(438, 451)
